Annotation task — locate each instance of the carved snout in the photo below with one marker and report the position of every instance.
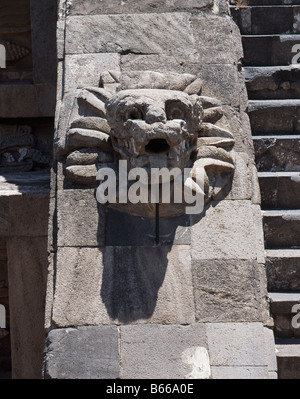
(154, 115)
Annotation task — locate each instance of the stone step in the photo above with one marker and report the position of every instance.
(288, 360)
(271, 50)
(277, 153)
(283, 270)
(264, 20)
(281, 228)
(279, 190)
(275, 117)
(270, 3)
(268, 83)
(285, 310)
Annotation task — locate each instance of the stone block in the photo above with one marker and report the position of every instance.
(282, 228)
(239, 373)
(122, 285)
(77, 298)
(241, 188)
(279, 82)
(280, 190)
(160, 63)
(230, 89)
(270, 350)
(29, 215)
(91, 7)
(27, 271)
(83, 70)
(273, 375)
(49, 291)
(148, 284)
(225, 230)
(82, 353)
(259, 233)
(80, 218)
(227, 290)
(158, 352)
(239, 125)
(130, 33)
(283, 270)
(236, 344)
(275, 117)
(126, 230)
(277, 153)
(208, 29)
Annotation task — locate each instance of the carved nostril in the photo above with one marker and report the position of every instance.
(157, 146)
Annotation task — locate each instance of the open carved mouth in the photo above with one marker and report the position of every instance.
(157, 146)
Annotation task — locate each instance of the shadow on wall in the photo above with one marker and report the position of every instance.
(134, 266)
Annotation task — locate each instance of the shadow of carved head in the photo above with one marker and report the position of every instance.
(151, 120)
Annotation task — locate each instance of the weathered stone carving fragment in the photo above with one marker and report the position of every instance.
(14, 51)
(16, 150)
(153, 120)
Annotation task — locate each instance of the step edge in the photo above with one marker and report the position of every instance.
(282, 253)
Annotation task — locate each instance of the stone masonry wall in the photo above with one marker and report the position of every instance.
(119, 306)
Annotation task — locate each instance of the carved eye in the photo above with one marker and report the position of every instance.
(176, 110)
(134, 113)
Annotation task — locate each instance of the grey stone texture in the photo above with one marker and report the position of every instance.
(29, 215)
(239, 373)
(195, 351)
(127, 230)
(122, 285)
(227, 291)
(94, 352)
(277, 153)
(90, 7)
(135, 33)
(83, 70)
(155, 352)
(77, 298)
(237, 344)
(273, 82)
(282, 311)
(80, 219)
(27, 288)
(226, 240)
(283, 270)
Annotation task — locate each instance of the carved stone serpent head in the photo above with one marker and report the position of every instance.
(150, 120)
(153, 128)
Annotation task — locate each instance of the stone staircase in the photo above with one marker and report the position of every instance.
(271, 33)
